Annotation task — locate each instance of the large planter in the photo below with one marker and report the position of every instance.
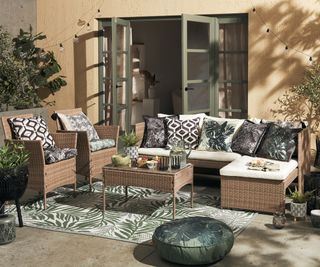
(298, 210)
(13, 184)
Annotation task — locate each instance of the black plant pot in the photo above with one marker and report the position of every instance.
(13, 183)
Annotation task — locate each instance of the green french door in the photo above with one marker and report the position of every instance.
(199, 64)
(115, 72)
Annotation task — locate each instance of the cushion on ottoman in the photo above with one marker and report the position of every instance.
(193, 240)
(239, 168)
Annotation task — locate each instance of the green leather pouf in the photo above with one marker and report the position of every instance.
(7, 229)
(193, 241)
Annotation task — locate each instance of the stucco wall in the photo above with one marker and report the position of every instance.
(272, 69)
(18, 14)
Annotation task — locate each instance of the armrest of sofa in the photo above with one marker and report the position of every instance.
(65, 140)
(139, 130)
(304, 156)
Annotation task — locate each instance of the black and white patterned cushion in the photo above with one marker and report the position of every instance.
(32, 129)
(55, 154)
(186, 130)
(79, 122)
(154, 132)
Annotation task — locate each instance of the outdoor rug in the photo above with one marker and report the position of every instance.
(132, 220)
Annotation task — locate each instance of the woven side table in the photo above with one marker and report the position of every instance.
(7, 229)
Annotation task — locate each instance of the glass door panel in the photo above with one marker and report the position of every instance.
(198, 70)
(117, 78)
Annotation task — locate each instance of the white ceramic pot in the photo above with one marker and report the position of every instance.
(298, 209)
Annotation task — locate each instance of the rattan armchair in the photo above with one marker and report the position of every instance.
(46, 177)
(89, 164)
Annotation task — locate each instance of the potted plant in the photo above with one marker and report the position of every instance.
(298, 205)
(130, 144)
(13, 178)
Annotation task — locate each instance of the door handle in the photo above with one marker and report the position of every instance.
(188, 88)
(118, 86)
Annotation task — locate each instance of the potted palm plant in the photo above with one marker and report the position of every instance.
(298, 206)
(13, 183)
(130, 141)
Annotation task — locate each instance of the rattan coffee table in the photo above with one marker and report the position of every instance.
(167, 181)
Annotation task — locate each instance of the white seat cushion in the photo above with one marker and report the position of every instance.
(214, 155)
(205, 155)
(154, 151)
(239, 168)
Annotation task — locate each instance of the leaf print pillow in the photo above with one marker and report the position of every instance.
(278, 143)
(217, 135)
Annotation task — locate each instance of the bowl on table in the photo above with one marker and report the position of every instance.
(315, 218)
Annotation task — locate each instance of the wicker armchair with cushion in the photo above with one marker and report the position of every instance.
(52, 161)
(96, 143)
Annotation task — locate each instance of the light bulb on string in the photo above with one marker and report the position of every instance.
(99, 13)
(61, 48)
(286, 48)
(268, 30)
(254, 9)
(310, 58)
(88, 27)
(76, 39)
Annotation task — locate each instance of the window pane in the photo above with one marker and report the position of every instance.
(198, 35)
(198, 97)
(233, 67)
(198, 66)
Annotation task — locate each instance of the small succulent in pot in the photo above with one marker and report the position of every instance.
(130, 142)
(298, 205)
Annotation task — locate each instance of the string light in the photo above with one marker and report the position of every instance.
(268, 30)
(61, 48)
(88, 27)
(99, 13)
(76, 39)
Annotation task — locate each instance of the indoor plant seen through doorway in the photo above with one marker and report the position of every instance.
(298, 205)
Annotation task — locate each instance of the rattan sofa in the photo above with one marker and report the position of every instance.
(89, 164)
(43, 177)
(241, 192)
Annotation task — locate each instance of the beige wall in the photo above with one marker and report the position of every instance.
(271, 69)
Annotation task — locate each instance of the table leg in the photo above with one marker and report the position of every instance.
(174, 205)
(191, 197)
(126, 188)
(103, 197)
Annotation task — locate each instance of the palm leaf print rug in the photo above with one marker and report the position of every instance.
(132, 220)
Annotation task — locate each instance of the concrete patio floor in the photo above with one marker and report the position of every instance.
(298, 244)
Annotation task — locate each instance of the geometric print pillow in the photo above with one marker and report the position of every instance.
(186, 130)
(32, 129)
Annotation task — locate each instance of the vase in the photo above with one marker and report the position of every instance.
(298, 210)
(7, 229)
(279, 220)
(178, 155)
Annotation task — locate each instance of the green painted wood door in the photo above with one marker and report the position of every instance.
(199, 64)
(116, 81)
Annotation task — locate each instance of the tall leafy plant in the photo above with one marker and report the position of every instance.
(27, 71)
(302, 101)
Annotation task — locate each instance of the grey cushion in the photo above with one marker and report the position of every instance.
(55, 154)
(247, 139)
(99, 144)
(154, 132)
(79, 122)
(193, 240)
(32, 129)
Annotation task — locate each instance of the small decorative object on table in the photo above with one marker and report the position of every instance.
(152, 164)
(279, 220)
(178, 155)
(263, 165)
(163, 163)
(298, 205)
(119, 160)
(129, 141)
